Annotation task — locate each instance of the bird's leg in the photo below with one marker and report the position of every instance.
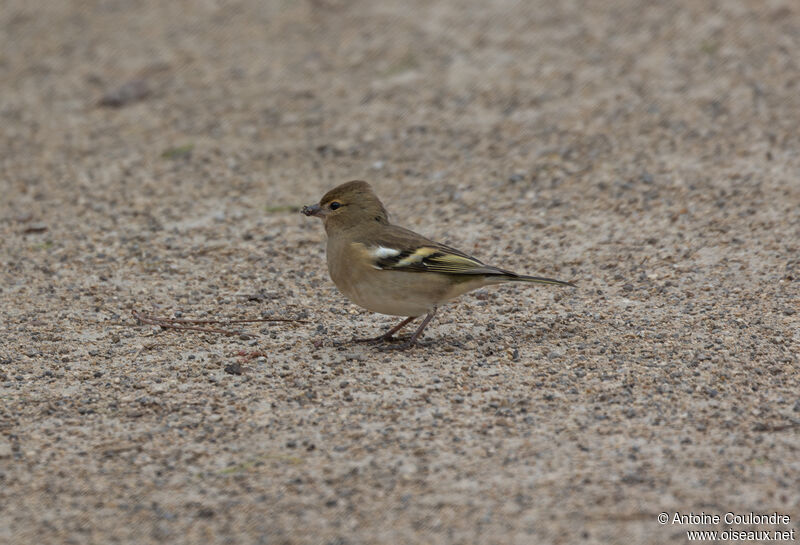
(412, 341)
(388, 335)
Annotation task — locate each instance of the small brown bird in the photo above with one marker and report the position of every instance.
(391, 270)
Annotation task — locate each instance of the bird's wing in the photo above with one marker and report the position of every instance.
(399, 249)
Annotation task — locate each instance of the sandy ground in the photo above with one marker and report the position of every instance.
(154, 155)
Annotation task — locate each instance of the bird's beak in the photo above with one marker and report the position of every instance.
(313, 210)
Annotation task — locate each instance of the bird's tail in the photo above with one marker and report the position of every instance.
(512, 277)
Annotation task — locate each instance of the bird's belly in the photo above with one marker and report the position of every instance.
(394, 293)
(395, 306)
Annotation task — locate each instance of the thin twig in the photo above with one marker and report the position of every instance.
(169, 323)
(183, 323)
(251, 320)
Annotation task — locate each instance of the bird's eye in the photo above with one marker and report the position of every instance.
(335, 205)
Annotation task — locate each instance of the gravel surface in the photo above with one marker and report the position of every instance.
(155, 155)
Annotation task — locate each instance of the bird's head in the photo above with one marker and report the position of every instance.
(348, 205)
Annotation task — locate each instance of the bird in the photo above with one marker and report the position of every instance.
(391, 270)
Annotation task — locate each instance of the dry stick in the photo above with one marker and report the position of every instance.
(178, 323)
(167, 324)
(187, 321)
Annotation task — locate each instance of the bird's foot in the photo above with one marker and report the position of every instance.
(387, 336)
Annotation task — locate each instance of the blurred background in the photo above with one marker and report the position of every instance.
(265, 99)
